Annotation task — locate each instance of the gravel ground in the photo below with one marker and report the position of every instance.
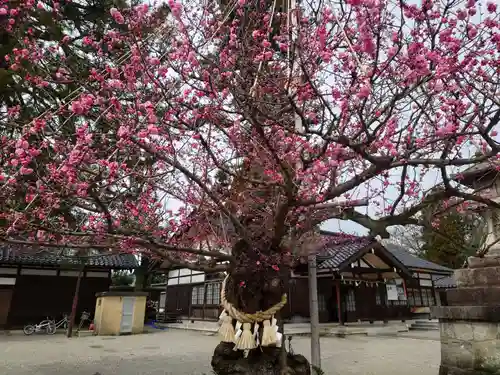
(177, 352)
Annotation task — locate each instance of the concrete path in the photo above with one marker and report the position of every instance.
(177, 352)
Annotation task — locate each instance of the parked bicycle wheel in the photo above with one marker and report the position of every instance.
(29, 329)
(51, 329)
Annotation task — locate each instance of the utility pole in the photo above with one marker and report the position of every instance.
(314, 311)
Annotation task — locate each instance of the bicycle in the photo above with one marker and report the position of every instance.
(45, 325)
(49, 325)
(62, 323)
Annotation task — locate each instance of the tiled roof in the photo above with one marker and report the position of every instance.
(477, 171)
(411, 261)
(32, 258)
(483, 167)
(444, 282)
(338, 248)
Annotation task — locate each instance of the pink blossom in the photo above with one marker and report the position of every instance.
(438, 85)
(154, 61)
(117, 16)
(364, 91)
(87, 40)
(26, 171)
(3, 11)
(152, 129)
(175, 7)
(471, 31)
(76, 107)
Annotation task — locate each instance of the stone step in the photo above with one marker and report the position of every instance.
(427, 321)
(425, 325)
(426, 329)
(430, 324)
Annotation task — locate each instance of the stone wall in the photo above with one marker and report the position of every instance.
(469, 347)
(470, 326)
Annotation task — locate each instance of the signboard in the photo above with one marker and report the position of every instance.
(392, 292)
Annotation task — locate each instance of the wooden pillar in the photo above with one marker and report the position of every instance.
(74, 305)
(290, 311)
(433, 291)
(406, 296)
(205, 288)
(339, 302)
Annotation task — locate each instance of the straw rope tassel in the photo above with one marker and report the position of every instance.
(256, 317)
(226, 331)
(268, 334)
(246, 340)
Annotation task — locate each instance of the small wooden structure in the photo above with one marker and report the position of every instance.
(119, 313)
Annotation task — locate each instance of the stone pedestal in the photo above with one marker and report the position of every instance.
(470, 325)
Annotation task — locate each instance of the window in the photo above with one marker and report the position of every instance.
(213, 293)
(411, 299)
(429, 298)
(198, 295)
(438, 298)
(184, 276)
(414, 298)
(421, 297)
(418, 297)
(425, 301)
(350, 301)
(403, 299)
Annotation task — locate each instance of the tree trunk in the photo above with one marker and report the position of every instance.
(314, 312)
(141, 275)
(250, 289)
(72, 316)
